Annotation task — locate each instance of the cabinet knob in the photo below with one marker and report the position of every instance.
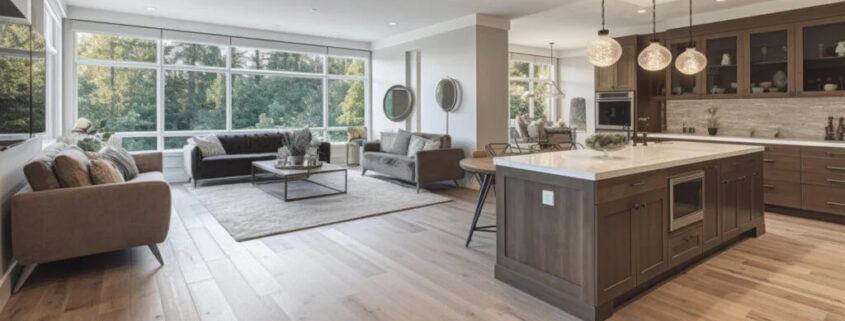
(769, 186)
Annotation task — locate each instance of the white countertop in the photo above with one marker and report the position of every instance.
(590, 165)
(750, 140)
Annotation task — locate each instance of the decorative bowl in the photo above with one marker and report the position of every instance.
(717, 90)
(831, 87)
(758, 90)
(607, 143)
(766, 84)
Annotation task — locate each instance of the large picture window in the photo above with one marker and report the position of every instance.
(155, 88)
(528, 100)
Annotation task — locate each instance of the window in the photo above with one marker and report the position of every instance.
(154, 89)
(528, 93)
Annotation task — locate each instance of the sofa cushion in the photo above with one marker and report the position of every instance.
(419, 143)
(445, 140)
(148, 177)
(104, 172)
(398, 166)
(124, 161)
(238, 157)
(39, 171)
(209, 145)
(400, 143)
(71, 167)
(251, 143)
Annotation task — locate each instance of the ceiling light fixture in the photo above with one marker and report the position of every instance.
(552, 89)
(641, 11)
(604, 51)
(391, 23)
(691, 61)
(655, 57)
(151, 8)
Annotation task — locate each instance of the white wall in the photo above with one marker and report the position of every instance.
(577, 79)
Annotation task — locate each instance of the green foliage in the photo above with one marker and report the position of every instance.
(22, 80)
(712, 118)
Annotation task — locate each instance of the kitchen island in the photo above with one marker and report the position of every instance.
(586, 233)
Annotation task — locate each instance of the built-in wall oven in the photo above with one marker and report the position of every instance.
(615, 110)
(686, 199)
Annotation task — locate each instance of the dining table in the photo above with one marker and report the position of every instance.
(485, 171)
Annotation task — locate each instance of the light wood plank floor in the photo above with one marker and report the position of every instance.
(412, 266)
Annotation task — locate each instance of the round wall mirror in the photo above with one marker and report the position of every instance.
(448, 94)
(398, 102)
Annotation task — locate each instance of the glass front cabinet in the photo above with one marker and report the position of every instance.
(723, 57)
(770, 62)
(821, 57)
(682, 86)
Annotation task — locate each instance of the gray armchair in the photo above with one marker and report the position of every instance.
(424, 167)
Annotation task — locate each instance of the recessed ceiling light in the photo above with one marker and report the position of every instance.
(151, 8)
(642, 11)
(721, 0)
(391, 23)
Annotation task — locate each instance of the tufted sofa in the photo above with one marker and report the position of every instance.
(241, 151)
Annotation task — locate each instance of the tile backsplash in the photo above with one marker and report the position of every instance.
(799, 118)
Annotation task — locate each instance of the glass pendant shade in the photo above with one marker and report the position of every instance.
(691, 61)
(604, 51)
(655, 57)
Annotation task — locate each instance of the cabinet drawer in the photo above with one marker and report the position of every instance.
(782, 162)
(739, 166)
(823, 166)
(782, 150)
(829, 180)
(685, 244)
(824, 199)
(614, 189)
(779, 193)
(823, 152)
(779, 175)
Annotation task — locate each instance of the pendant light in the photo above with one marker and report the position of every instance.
(604, 51)
(655, 57)
(691, 61)
(552, 89)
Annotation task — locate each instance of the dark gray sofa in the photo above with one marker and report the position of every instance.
(241, 151)
(425, 167)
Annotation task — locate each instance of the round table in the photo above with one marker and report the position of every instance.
(485, 171)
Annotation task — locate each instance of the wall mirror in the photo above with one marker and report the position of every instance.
(448, 94)
(398, 103)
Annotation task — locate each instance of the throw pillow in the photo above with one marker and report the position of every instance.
(124, 161)
(209, 145)
(419, 143)
(104, 172)
(400, 143)
(387, 141)
(39, 171)
(71, 168)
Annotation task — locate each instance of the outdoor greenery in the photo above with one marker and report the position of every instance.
(523, 76)
(22, 59)
(124, 97)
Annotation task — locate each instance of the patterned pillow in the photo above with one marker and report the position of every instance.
(356, 133)
(400, 143)
(209, 145)
(104, 172)
(124, 162)
(71, 168)
(419, 143)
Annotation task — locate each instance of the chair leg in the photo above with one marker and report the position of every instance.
(27, 271)
(418, 188)
(154, 248)
(195, 183)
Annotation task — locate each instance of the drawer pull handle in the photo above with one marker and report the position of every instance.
(835, 181)
(769, 186)
(835, 154)
(836, 204)
(770, 161)
(836, 168)
(638, 184)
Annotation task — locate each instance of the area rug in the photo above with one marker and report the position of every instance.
(247, 211)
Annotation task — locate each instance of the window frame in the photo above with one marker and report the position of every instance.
(228, 71)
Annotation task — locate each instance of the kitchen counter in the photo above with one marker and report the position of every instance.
(587, 233)
(589, 165)
(749, 140)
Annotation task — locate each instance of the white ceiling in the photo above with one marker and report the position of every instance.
(574, 25)
(362, 20)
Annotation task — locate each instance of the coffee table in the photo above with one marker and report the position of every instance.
(318, 182)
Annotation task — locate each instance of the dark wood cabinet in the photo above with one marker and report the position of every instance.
(623, 74)
(821, 60)
(650, 231)
(723, 52)
(711, 232)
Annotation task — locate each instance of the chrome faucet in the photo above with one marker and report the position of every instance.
(644, 121)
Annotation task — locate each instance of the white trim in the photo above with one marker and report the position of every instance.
(280, 46)
(459, 23)
(193, 37)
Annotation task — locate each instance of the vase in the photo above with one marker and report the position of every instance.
(712, 131)
(840, 49)
(295, 160)
(726, 59)
(578, 113)
(779, 80)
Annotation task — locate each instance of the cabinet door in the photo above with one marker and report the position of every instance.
(722, 73)
(711, 234)
(728, 210)
(758, 204)
(616, 244)
(680, 85)
(769, 71)
(605, 78)
(821, 60)
(650, 232)
(626, 68)
(745, 200)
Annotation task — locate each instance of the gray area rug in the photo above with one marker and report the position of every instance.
(247, 211)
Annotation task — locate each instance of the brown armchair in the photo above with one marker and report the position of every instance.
(61, 223)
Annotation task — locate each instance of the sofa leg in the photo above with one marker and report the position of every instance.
(190, 179)
(418, 188)
(27, 271)
(363, 171)
(195, 183)
(456, 183)
(154, 248)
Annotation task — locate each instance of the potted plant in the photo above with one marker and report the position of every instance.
(712, 120)
(297, 143)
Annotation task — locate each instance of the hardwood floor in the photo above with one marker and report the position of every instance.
(412, 265)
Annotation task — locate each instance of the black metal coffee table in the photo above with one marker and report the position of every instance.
(310, 183)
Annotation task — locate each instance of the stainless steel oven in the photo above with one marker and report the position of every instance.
(614, 110)
(686, 199)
